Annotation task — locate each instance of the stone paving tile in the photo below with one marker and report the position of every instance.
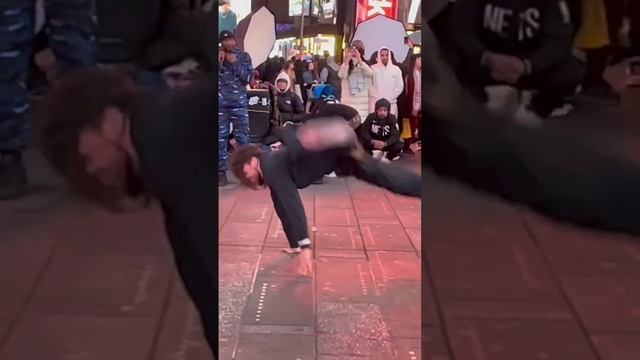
(617, 346)
(276, 263)
(389, 266)
(490, 271)
(275, 346)
(401, 306)
(353, 329)
(63, 337)
(338, 237)
(333, 216)
(434, 345)
(407, 348)
(237, 267)
(508, 339)
(251, 213)
(247, 234)
(579, 252)
(385, 237)
(103, 283)
(606, 304)
(181, 335)
(347, 280)
(280, 301)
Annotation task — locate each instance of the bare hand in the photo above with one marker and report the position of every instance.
(505, 68)
(304, 264)
(231, 57)
(377, 144)
(221, 56)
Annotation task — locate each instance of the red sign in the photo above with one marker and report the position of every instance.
(370, 8)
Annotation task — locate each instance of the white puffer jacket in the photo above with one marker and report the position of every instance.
(357, 100)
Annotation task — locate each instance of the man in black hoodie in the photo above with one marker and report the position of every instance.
(524, 43)
(380, 132)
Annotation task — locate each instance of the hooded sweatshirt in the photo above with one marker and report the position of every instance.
(289, 104)
(537, 31)
(388, 83)
(382, 129)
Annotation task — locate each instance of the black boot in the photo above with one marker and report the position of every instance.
(13, 176)
(222, 178)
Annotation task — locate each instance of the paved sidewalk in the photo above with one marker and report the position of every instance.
(364, 299)
(80, 283)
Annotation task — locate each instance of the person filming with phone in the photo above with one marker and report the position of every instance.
(356, 76)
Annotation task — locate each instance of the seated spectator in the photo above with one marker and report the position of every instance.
(524, 44)
(379, 132)
(290, 105)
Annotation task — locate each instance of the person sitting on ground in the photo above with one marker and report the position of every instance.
(520, 43)
(313, 150)
(380, 133)
(290, 105)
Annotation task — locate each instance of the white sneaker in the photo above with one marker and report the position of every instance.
(385, 159)
(332, 175)
(376, 154)
(564, 110)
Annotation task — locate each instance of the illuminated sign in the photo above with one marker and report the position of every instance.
(370, 8)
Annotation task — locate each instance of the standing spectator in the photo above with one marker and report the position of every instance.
(71, 29)
(388, 82)
(520, 43)
(356, 78)
(379, 132)
(227, 18)
(310, 77)
(234, 74)
(414, 100)
(329, 75)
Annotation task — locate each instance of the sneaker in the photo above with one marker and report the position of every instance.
(385, 159)
(601, 93)
(222, 178)
(13, 176)
(562, 111)
(377, 154)
(332, 175)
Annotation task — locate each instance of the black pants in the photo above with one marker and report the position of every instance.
(395, 178)
(392, 150)
(553, 85)
(200, 284)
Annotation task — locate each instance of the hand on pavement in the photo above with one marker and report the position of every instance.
(304, 264)
(221, 56)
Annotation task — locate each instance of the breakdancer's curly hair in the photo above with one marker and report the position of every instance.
(241, 156)
(77, 101)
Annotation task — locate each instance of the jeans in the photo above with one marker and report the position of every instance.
(71, 31)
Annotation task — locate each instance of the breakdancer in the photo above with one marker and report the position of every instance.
(319, 147)
(111, 142)
(557, 174)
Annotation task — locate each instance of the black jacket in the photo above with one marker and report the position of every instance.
(539, 31)
(290, 105)
(376, 128)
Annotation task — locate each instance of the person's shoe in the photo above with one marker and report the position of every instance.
(13, 176)
(565, 110)
(601, 93)
(222, 178)
(377, 154)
